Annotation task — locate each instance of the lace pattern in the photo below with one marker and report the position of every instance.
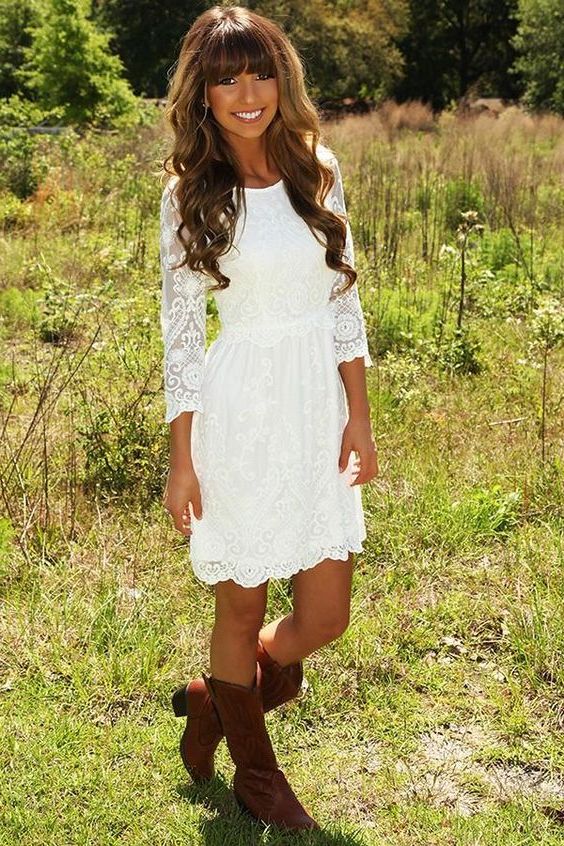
(183, 302)
(183, 318)
(268, 333)
(272, 403)
(215, 571)
(350, 328)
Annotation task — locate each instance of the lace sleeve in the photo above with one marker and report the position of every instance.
(350, 328)
(183, 318)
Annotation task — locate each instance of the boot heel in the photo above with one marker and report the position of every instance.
(179, 703)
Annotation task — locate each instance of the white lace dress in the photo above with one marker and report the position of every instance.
(268, 399)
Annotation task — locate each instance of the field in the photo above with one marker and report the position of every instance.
(437, 718)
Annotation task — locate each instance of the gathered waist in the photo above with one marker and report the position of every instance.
(269, 331)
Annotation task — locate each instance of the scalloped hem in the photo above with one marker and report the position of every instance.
(350, 355)
(212, 572)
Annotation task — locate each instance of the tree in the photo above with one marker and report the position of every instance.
(146, 34)
(457, 46)
(16, 16)
(540, 42)
(68, 64)
(347, 46)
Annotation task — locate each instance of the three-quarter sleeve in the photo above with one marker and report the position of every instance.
(183, 317)
(350, 329)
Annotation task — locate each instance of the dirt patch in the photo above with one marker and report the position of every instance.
(444, 772)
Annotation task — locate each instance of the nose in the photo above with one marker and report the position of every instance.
(248, 93)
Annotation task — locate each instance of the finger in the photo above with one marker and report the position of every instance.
(344, 457)
(180, 526)
(197, 505)
(182, 522)
(368, 470)
(359, 465)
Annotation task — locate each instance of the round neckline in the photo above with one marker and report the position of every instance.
(266, 187)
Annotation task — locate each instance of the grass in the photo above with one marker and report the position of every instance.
(437, 717)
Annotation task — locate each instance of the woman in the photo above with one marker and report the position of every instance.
(262, 443)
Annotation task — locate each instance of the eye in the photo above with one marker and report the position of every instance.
(221, 81)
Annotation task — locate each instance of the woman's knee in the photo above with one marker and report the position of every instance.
(324, 630)
(240, 609)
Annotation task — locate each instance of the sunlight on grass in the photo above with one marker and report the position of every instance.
(437, 717)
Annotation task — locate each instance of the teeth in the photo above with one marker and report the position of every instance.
(248, 114)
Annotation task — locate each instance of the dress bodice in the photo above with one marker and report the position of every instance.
(280, 285)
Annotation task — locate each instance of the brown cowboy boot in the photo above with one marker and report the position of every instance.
(203, 731)
(259, 785)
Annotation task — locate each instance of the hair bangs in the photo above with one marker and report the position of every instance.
(232, 50)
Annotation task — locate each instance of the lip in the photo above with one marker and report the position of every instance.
(246, 120)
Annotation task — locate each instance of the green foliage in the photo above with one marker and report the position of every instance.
(458, 352)
(13, 212)
(452, 49)
(123, 448)
(487, 512)
(18, 111)
(502, 294)
(498, 249)
(21, 167)
(18, 171)
(461, 195)
(405, 374)
(57, 323)
(547, 326)
(69, 65)
(7, 538)
(540, 43)
(147, 36)
(17, 307)
(16, 16)
(348, 47)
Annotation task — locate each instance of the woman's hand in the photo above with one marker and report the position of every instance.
(182, 488)
(357, 437)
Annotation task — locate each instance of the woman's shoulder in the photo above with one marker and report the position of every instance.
(169, 203)
(325, 154)
(169, 183)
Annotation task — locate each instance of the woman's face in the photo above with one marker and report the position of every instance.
(235, 101)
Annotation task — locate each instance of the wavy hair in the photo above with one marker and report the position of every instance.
(224, 41)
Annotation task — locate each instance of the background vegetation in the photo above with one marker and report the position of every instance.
(79, 53)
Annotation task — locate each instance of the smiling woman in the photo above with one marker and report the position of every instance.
(248, 99)
(262, 440)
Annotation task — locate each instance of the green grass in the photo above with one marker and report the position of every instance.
(437, 717)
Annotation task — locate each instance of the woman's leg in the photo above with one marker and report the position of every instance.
(239, 614)
(322, 597)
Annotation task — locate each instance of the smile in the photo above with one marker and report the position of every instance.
(248, 117)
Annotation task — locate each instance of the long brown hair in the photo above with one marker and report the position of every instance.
(223, 41)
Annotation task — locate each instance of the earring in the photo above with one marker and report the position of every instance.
(205, 115)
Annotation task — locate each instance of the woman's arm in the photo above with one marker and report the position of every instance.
(183, 327)
(357, 434)
(183, 317)
(352, 357)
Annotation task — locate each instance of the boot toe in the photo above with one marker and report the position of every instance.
(287, 808)
(267, 796)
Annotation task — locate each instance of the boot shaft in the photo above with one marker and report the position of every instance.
(241, 714)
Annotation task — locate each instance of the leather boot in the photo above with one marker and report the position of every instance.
(203, 730)
(259, 785)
